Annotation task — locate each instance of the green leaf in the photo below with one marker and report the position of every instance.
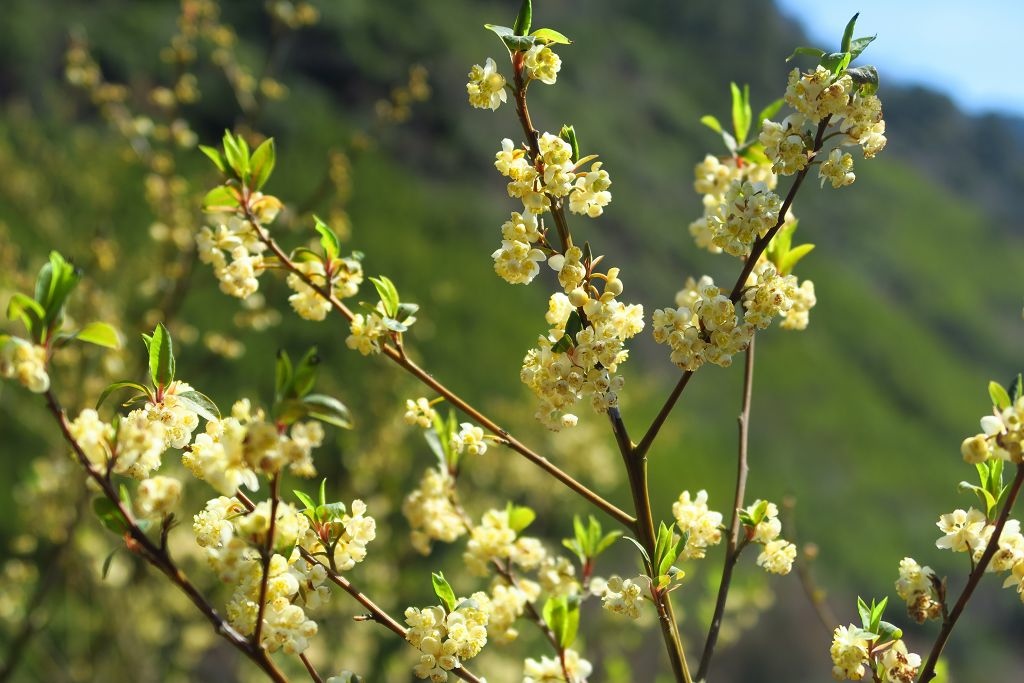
(262, 164)
(520, 517)
(1000, 397)
(606, 542)
(443, 590)
(889, 631)
(328, 240)
(215, 156)
(106, 564)
(508, 36)
(221, 199)
(29, 311)
(388, 294)
(1017, 387)
(793, 257)
(712, 123)
(100, 334)
(328, 409)
(769, 111)
(525, 18)
(56, 279)
(562, 615)
(200, 404)
(574, 325)
(550, 35)
(142, 390)
(282, 375)
(865, 613)
(161, 356)
(305, 500)
(108, 514)
(564, 344)
(866, 77)
(304, 378)
(806, 51)
(858, 45)
(741, 114)
(836, 62)
(568, 133)
(848, 33)
(323, 491)
(647, 558)
(236, 152)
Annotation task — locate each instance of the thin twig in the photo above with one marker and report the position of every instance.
(733, 546)
(313, 674)
(928, 670)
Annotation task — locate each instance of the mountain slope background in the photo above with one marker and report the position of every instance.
(917, 267)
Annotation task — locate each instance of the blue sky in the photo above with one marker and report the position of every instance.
(967, 49)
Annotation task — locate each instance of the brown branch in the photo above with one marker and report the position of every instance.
(310, 668)
(733, 546)
(948, 623)
(159, 558)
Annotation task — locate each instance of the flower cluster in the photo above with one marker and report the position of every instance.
(1002, 436)
(156, 496)
(494, 539)
(541, 63)
(550, 670)
(133, 447)
(430, 512)
(777, 555)
(917, 587)
(469, 439)
(419, 412)
(623, 596)
(446, 639)
(818, 96)
(702, 525)
(486, 87)
(233, 450)
(850, 650)
(853, 651)
(747, 212)
(366, 331)
(504, 605)
(236, 238)
(705, 328)
(586, 367)
(25, 363)
(517, 260)
(342, 281)
(232, 538)
(714, 177)
(347, 537)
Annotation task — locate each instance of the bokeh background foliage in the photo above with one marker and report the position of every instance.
(917, 272)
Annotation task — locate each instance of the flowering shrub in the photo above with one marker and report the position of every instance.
(282, 555)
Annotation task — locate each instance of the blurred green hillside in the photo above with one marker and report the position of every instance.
(917, 268)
